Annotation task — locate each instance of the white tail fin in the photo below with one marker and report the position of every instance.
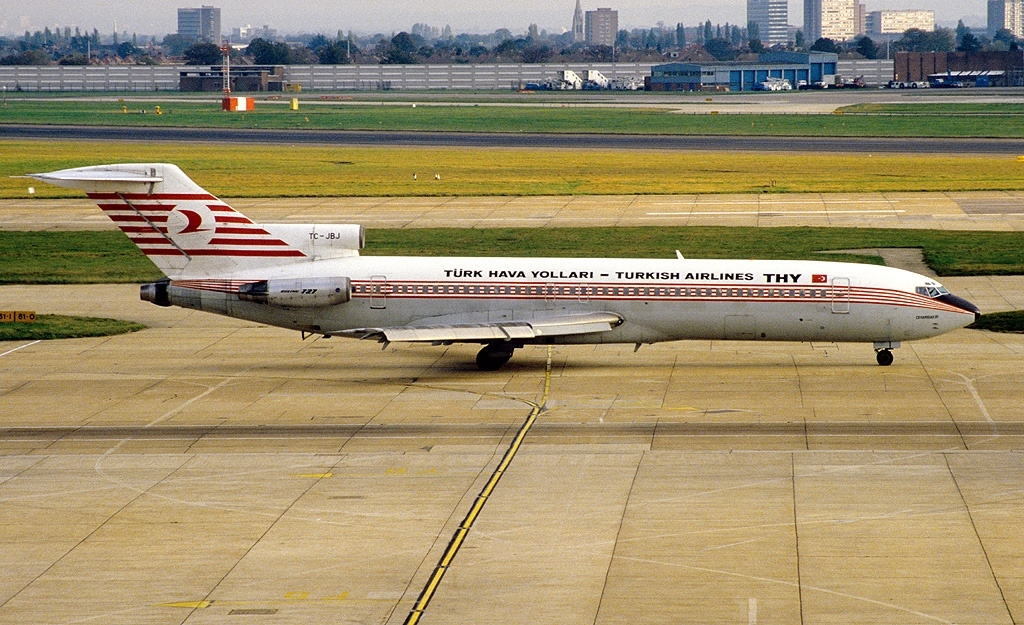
(183, 229)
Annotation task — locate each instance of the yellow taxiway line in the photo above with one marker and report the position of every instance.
(467, 523)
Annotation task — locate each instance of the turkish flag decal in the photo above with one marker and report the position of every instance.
(819, 278)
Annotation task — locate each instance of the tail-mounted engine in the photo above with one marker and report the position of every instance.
(156, 292)
(321, 241)
(301, 293)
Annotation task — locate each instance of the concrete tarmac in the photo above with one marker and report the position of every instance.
(980, 210)
(209, 470)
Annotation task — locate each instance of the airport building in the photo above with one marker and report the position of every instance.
(1008, 14)
(202, 23)
(792, 67)
(601, 27)
(881, 23)
(831, 19)
(771, 18)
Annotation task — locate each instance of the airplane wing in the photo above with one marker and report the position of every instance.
(555, 325)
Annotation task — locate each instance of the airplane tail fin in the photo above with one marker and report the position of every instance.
(182, 228)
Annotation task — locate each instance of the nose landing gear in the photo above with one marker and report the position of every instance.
(494, 355)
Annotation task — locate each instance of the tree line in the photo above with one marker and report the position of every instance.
(425, 44)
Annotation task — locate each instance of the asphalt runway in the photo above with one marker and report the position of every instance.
(518, 140)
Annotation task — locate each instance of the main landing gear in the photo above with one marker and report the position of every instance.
(883, 353)
(494, 355)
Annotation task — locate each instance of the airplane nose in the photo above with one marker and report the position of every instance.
(961, 303)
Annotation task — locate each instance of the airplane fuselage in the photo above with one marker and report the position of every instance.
(660, 300)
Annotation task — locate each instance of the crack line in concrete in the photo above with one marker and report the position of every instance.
(977, 535)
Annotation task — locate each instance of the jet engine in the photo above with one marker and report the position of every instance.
(319, 241)
(300, 293)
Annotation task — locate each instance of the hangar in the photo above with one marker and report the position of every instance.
(983, 69)
(809, 67)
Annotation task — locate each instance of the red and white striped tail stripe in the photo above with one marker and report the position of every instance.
(144, 219)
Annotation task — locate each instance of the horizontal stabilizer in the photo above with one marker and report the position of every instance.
(122, 178)
(69, 177)
(560, 325)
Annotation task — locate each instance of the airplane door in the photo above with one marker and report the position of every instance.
(378, 292)
(583, 293)
(840, 296)
(549, 295)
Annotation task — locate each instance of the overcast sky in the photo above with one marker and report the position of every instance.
(387, 16)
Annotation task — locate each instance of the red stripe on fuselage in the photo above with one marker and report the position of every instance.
(563, 291)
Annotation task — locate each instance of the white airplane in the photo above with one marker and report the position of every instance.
(311, 278)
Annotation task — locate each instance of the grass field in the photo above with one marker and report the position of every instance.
(310, 171)
(948, 253)
(1009, 321)
(103, 257)
(933, 121)
(1007, 109)
(64, 327)
(72, 258)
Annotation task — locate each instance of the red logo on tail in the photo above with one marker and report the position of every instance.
(195, 220)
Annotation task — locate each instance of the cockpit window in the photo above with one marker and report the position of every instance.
(932, 291)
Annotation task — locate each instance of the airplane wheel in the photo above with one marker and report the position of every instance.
(884, 357)
(493, 356)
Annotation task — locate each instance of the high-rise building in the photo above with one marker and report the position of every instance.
(577, 24)
(600, 27)
(1008, 14)
(202, 23)
(898, 22)
(831, 19)
(771, 18)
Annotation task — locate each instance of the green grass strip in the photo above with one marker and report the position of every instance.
(108, 257)
(938, 108)
(948, 253)
(560, 118)
(72, 257)
(48, 327)
(1011, 321)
